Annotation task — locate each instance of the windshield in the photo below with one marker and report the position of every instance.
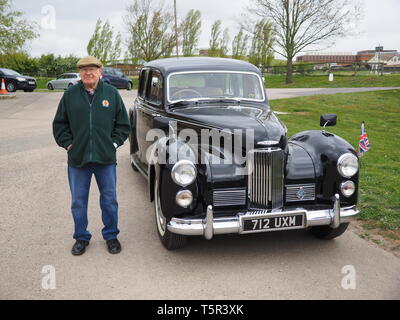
(215, 85)
(9, 72)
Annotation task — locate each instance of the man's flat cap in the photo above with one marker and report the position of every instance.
(89, 61)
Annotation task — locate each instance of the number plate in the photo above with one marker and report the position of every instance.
(31, 82)
(267, 223)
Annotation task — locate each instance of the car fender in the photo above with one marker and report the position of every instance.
(324, 149)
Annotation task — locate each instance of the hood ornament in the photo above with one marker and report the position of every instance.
(268, 143)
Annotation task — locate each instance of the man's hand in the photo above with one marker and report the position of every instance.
(69, 147)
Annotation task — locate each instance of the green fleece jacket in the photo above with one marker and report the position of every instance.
(92, 129)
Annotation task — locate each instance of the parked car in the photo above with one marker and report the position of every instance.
(15, 81)
(221, 162)
(116, 78)
(64, 81)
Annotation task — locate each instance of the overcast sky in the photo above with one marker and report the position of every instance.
(75, 20)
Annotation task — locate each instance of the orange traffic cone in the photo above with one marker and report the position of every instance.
(3, 87)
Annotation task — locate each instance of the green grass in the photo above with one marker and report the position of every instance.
(379, 196)
(340, 81)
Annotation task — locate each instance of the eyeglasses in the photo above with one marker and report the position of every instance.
(88, 70)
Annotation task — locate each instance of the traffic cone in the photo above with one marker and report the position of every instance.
(3, 87)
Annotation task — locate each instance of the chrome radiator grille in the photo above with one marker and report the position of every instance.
(229, 197)
(265, 180)
(300, 192)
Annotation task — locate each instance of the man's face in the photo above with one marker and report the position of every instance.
(90, 75)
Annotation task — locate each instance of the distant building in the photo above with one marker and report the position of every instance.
(203, 52)
(387, 61)
(366, 55)
(342, 57)
(339, 57)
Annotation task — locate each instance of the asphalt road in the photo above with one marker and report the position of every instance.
(36, 237)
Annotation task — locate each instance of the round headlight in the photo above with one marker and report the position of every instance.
(347, 165)
(348, 188)
(184, 198)
(184, 173)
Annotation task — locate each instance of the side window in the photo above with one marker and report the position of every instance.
(142, 83)
(154, 88)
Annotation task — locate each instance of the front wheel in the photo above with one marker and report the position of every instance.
(129, 86)
(328, 233)
(11, 87)
(171, 241)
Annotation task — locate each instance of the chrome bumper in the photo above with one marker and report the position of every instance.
(210, 226)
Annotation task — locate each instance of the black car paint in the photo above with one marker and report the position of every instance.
(19, 85)
(310, 156)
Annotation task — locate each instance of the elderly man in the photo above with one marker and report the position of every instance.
(91, 123)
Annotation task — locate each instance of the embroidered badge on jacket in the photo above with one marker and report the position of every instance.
(106, 103)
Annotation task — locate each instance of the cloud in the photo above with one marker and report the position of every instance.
(76, 19)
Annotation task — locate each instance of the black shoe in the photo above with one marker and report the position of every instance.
(79, 247)
(113, 246)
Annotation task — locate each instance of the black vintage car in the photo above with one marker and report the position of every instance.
(217, 158)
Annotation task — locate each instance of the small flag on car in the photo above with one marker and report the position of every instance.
(364, 145)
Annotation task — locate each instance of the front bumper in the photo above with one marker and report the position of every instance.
(210, 226)
(26, 85)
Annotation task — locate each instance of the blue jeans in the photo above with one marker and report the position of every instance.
(79, 183)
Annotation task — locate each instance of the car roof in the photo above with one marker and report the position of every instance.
(171, 65)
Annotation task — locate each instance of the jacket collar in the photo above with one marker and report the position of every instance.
(99, 87)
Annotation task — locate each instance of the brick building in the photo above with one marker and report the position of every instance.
(342, 58)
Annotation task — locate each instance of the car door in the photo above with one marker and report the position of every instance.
(118, 78)
(58, 83)
(112, 77)
(65, 81)
(149, 109)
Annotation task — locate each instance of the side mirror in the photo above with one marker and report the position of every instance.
(328, 120)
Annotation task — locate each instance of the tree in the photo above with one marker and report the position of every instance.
(115, 51)
(215, 40)
(15, 30)
(20, 62)
(224, 43)
(190, 29)
(50, 65)
(102, 44)
(239, 45)
(302, 23)
(149, 29)
(261, 52)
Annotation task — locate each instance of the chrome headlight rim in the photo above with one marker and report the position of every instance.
(343, 187)
(177, 166)
(178, 198)
(341, 162)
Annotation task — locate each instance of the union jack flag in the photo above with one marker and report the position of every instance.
(364, 145)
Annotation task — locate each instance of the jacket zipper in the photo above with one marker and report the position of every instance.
(90, 124)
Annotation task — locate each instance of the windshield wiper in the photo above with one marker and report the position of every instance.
(183, 102)
(224, 100)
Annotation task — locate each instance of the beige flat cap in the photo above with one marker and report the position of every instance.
(89, 61)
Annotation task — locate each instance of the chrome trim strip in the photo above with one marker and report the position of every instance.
(229, 197)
